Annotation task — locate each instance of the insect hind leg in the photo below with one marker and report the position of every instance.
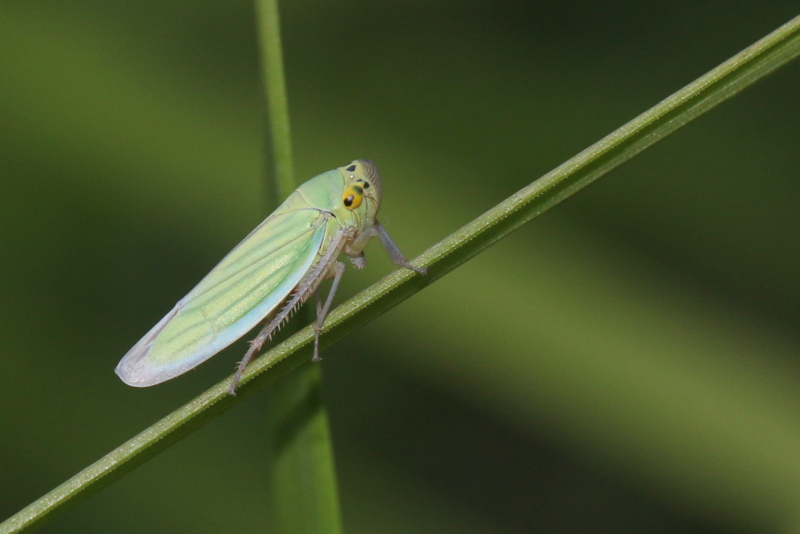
(310, 284)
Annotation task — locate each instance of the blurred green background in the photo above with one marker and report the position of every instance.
(626, 363)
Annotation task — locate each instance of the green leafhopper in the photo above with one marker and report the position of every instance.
(282, 262)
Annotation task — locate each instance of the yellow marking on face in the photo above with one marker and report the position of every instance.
(353, 196)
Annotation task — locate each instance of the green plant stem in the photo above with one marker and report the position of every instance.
(303, 478)
(742, 70)
(274, 84)
(303, 475)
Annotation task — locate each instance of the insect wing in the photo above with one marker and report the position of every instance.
(248, 284)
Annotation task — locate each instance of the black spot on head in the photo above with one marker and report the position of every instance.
(358, 190)
(366, 185)
(351, 168)
(349, 201)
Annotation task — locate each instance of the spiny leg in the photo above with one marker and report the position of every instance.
(303, 291)
(255, 346)
(338, 271)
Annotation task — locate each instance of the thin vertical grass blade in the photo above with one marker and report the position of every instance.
(303, 477)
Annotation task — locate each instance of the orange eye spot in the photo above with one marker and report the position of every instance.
(353, 197)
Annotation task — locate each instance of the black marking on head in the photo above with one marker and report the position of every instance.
(372, 177)
(358, 190)
(349, 200)
(351, 168)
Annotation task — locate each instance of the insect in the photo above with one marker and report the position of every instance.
(282, 261)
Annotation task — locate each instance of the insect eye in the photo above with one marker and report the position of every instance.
(352, 197)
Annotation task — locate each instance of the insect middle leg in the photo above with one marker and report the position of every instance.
(322, 311)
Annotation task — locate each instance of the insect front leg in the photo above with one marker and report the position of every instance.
(394, 251)
(338, 270)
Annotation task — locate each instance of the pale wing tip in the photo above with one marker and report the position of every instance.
(137, 368)
(134, 371)
(134, 368)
